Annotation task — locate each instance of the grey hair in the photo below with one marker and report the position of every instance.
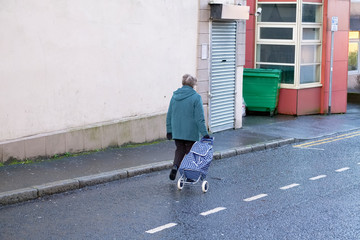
(189, 80)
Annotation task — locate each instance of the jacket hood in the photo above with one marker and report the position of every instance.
(184, 92)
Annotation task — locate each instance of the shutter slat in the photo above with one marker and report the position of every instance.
(223, 70)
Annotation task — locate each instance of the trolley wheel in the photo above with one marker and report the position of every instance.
(205, 186)
(180, 183)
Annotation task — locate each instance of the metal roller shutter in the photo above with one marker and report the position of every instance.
(222, 76)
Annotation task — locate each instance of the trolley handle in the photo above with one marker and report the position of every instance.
(208, 140)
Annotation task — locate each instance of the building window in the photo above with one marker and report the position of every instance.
(310, 54)
(278, 13)
(353, 63)
(290, 39)
(311, 13)
(275, 47)
(276, 33)
(311, 33)
(276, 53)
(310, 64)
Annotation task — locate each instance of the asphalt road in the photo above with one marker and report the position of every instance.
(300, 191)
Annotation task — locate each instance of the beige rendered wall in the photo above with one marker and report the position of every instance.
(73, 64)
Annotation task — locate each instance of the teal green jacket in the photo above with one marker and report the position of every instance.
(185, 118)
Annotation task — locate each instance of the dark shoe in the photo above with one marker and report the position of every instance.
(173, 172)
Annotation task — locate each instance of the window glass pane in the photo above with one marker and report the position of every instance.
(354, 35)
(276, 33)
(353, 56)
(311, 34)
(277, 13)
(276, 53)
(287, 75)
(310, 54)
(309, 74)
(311, 13)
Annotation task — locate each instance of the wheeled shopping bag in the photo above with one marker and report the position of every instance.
(194, 167)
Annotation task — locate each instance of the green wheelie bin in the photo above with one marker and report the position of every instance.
(261, 89)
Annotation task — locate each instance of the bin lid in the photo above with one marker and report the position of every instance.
(261, 72)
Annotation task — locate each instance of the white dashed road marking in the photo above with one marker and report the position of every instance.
(308, 148)
(215, 210)
(289, 186)
(317, 177)
(255, 197)
(163, 227)
(342, 169)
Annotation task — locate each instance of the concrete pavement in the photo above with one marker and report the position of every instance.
(24, 182)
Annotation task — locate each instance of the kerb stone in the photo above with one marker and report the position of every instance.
(161, 165)
(134, 171)
(217, 155)
(19, 195)
(242, 150)
(228, 153)
(286, 141)
(269, 145)
(101, 178)
(57, 187)
(258, 147)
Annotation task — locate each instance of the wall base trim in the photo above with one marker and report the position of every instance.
(117, 134)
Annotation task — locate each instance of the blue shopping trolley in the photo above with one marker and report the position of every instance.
(195, 164)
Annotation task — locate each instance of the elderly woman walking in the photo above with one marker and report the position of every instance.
(185, 120)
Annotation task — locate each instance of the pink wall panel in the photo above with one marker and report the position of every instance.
(340, 9)
(308, 101)
(339, 74)
(338, 101)
(341, 40)
(339, 105)
(341, 45)
(287, 101)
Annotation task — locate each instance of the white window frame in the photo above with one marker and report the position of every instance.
(355, 72)
(316, 42)
(297, 40)
(270, 25)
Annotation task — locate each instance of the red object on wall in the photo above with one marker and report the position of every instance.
(250, 37)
